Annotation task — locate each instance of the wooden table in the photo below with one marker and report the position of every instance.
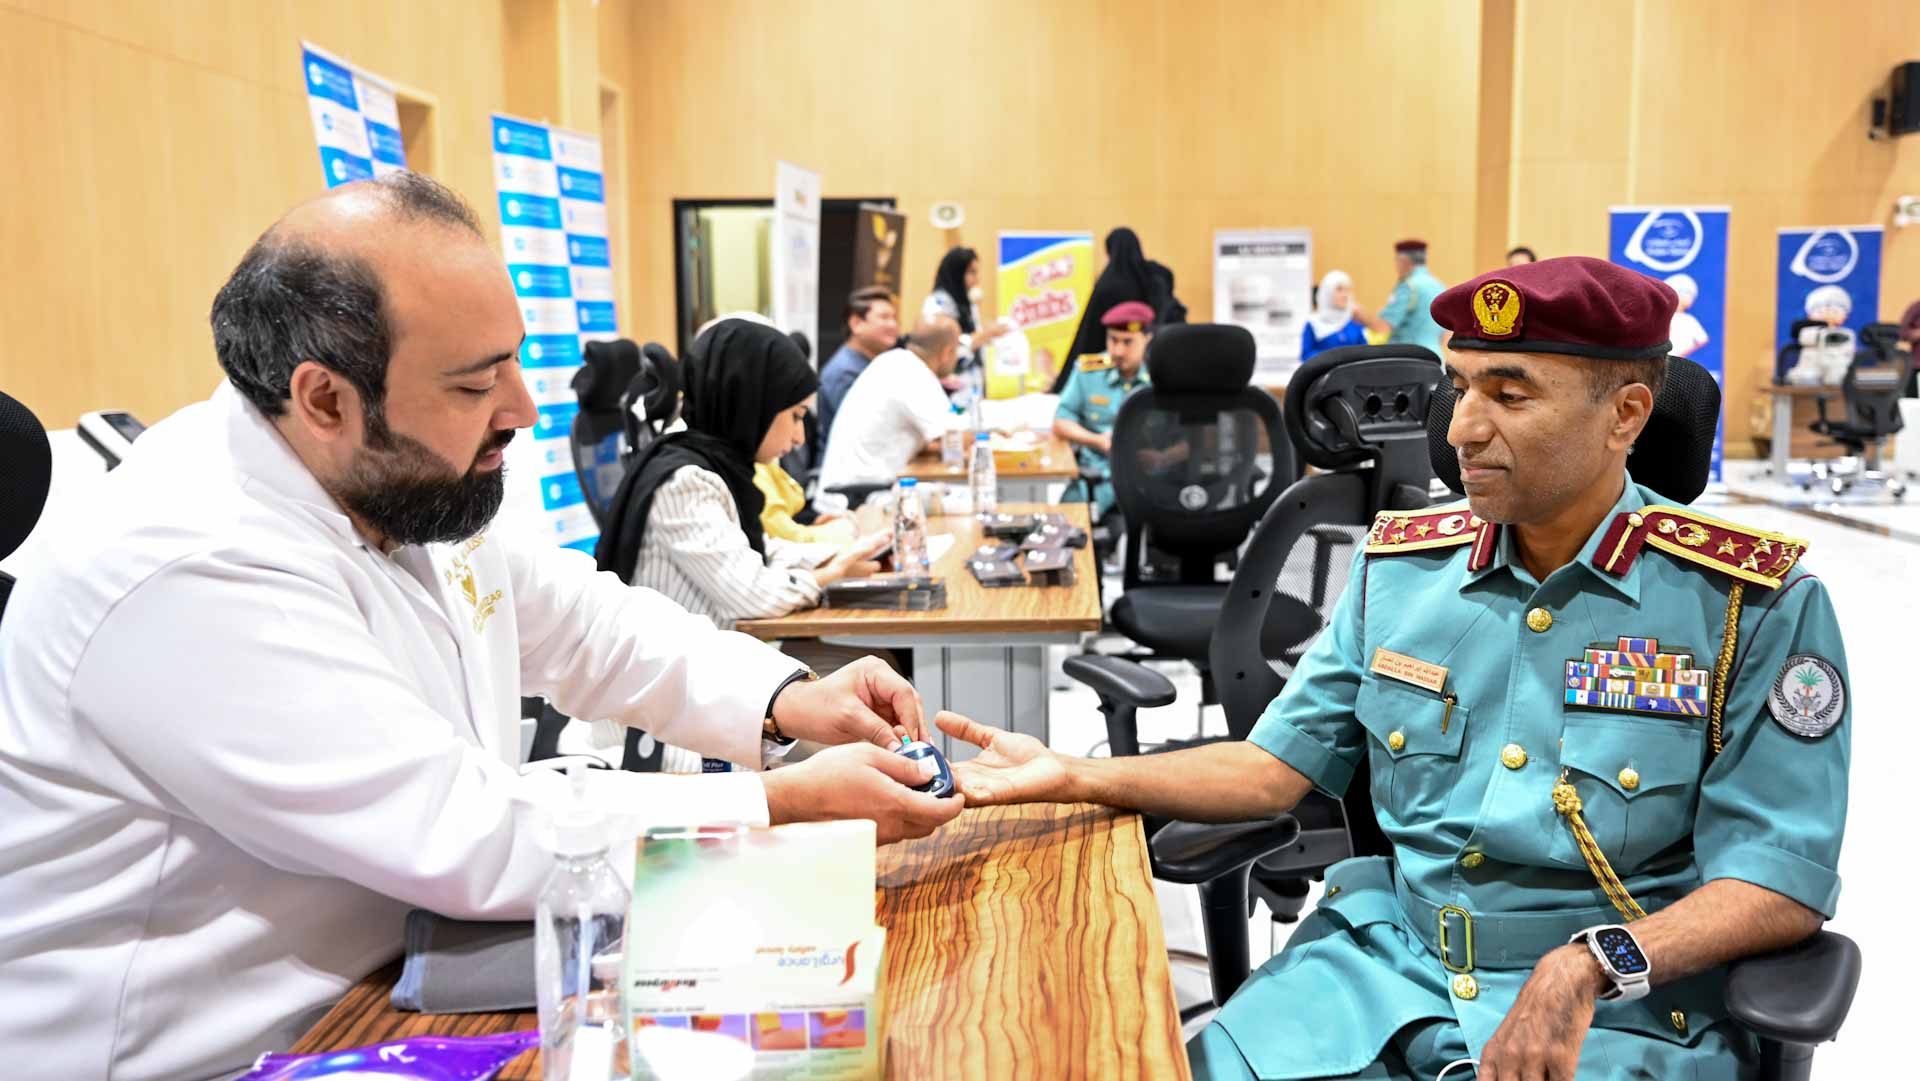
(1795, 407)
(1024, 476)
(985, 653)
(1021, 942)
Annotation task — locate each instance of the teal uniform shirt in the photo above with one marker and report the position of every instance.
(1463, 746)
(1092, 400)
(1407, 313)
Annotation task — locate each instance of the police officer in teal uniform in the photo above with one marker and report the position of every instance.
(1606, 736)
(1407, 312)
(1092, 397)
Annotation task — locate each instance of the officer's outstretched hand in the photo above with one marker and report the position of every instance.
(860, 780)
(1010, 768)
(1541, 1037)
(864, 702)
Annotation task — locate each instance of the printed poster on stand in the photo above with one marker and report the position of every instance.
(1828, 270)
(1686, 247)
(551, 186)
(1263, 281)
(796, 250)
(355, 118)
(1045, 281)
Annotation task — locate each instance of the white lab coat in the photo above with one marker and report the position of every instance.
(237, 744)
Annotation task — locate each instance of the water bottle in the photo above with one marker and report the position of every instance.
(910, 530)
(981, 482)
(579, 930)
(953, 442)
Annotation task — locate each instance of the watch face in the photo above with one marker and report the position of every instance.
(1620, 950)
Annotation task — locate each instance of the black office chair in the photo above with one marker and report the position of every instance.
(651, 402)
(1870, 393)
(26, 474)
(1792, 1000)
(1788, 354)
(1359, 414)
(598, 426)
(1190, 482)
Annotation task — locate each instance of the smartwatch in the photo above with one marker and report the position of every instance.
(1621, 958)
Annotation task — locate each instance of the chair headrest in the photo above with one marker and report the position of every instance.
(608, 368)
(1206, 358)
(26, 472)
(1344, 404)
(1674, 455)
(656, 385)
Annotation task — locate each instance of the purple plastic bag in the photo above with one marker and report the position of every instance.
(423, 1058)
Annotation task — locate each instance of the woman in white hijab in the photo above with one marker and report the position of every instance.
(1336, 320)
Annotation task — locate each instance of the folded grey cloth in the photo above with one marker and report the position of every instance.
(465, 966)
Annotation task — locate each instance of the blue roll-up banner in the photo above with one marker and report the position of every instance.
(553, 231)
(355, 119)
(1824, 269)
(1686, 247)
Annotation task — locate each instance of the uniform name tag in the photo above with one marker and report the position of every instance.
(1410, 670)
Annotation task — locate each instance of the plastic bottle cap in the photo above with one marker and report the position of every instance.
(909, 482)
(578, 828)
(981, 437)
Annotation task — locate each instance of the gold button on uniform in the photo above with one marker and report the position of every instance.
(1472, 860)
(1513, 756)
(1634, 520)
(1629, 778)
(1538, 620)
(1396, 740)
(1465, 986)
(1679, 1019)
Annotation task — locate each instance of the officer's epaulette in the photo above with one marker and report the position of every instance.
(1095, 362)
(1750, 555)
(1396, 532)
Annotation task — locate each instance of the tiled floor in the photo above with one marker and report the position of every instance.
(1875, 583)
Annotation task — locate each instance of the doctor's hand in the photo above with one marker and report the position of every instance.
(1010, 768)
(1541, 1037)
(864, 702)
(860, 781)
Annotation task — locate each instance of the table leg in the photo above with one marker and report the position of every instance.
(1004, 686)
(1782, 435)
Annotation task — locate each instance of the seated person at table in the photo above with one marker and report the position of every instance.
(1091, 400)
(686, 520)
(873, 326)
(1527, 806)
(895, 410)
(260, 694)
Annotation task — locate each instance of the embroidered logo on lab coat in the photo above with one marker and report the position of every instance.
(461, 574)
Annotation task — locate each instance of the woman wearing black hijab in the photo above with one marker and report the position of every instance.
(1129, 275)
(686, 521)
(956, 294)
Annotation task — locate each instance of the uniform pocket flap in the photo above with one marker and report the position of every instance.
(1678, 1013)
(1360, 891)
(1632, 756)
(1418, 720)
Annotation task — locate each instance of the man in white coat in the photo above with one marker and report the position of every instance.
(260, 694)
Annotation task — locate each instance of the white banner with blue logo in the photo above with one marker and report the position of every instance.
(1686, 247)
(553, 231)
(355, 119)
(1830, 270)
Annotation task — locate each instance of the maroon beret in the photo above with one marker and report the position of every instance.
(1576, 305)
(1128, 315)
(1410, 245)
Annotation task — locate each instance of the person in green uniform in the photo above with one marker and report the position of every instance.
(1092, 397)
(1586, 716)
(1408, 313)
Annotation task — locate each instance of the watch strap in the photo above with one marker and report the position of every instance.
(769, 727)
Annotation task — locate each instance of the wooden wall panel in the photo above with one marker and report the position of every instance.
(1175, 119)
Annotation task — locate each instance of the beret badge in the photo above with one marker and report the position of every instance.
(1496, 308)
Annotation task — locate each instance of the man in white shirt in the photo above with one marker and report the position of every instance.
(259, 693)
(895, 409)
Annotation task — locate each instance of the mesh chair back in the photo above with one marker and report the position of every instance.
(26, 472)
(607, 369)
(1673, 456)
(651, 402)
(1874, 384)
(1198, 455)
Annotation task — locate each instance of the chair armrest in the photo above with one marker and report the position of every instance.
(1121, 681)
(1194, 852)
(1799, 995)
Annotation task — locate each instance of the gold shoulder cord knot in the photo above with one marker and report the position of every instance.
(1566, 801)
